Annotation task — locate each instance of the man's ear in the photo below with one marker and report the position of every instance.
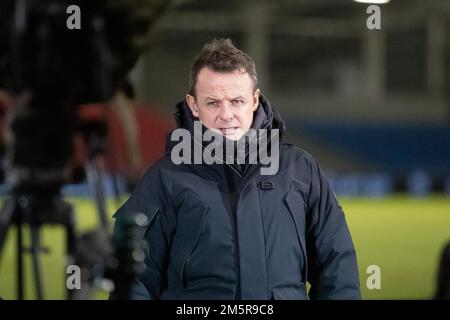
(192, 105)
(256, 99)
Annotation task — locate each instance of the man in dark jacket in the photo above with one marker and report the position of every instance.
(227, 229)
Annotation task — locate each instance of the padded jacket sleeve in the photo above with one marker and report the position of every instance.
(332, 265)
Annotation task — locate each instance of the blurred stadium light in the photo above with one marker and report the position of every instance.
(372, 1)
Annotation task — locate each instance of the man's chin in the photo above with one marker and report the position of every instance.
(234, 136)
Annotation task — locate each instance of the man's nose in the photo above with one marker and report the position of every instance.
(226, 113)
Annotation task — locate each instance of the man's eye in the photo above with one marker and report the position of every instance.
(237, 101)
(212, 103)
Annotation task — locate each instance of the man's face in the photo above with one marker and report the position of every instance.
(224, 102)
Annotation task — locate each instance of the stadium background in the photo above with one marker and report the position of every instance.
(372, 106)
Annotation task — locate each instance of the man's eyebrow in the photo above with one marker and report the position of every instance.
(217, 99)
(211, 98)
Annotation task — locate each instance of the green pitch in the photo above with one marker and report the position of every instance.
(403, 236)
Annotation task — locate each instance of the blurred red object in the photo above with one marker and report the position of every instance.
(127, 154)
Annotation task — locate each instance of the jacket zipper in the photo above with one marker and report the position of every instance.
(233, 188)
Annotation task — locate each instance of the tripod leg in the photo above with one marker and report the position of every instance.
(71, 241)
(95, 182)
(6, 219)
(115, 181)
(20, 274)
(35, 248)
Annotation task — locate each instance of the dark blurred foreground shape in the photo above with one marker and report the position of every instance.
(49, 70)
(443, 283)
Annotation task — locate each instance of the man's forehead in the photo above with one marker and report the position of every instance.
(209, 76)
(213, 83)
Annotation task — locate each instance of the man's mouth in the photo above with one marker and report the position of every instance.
(228, 131)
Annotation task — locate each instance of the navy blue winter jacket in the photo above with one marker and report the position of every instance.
(225, 232)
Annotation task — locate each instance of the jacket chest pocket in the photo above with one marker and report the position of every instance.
(296, 205)
(191, 219)
(284, 218)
